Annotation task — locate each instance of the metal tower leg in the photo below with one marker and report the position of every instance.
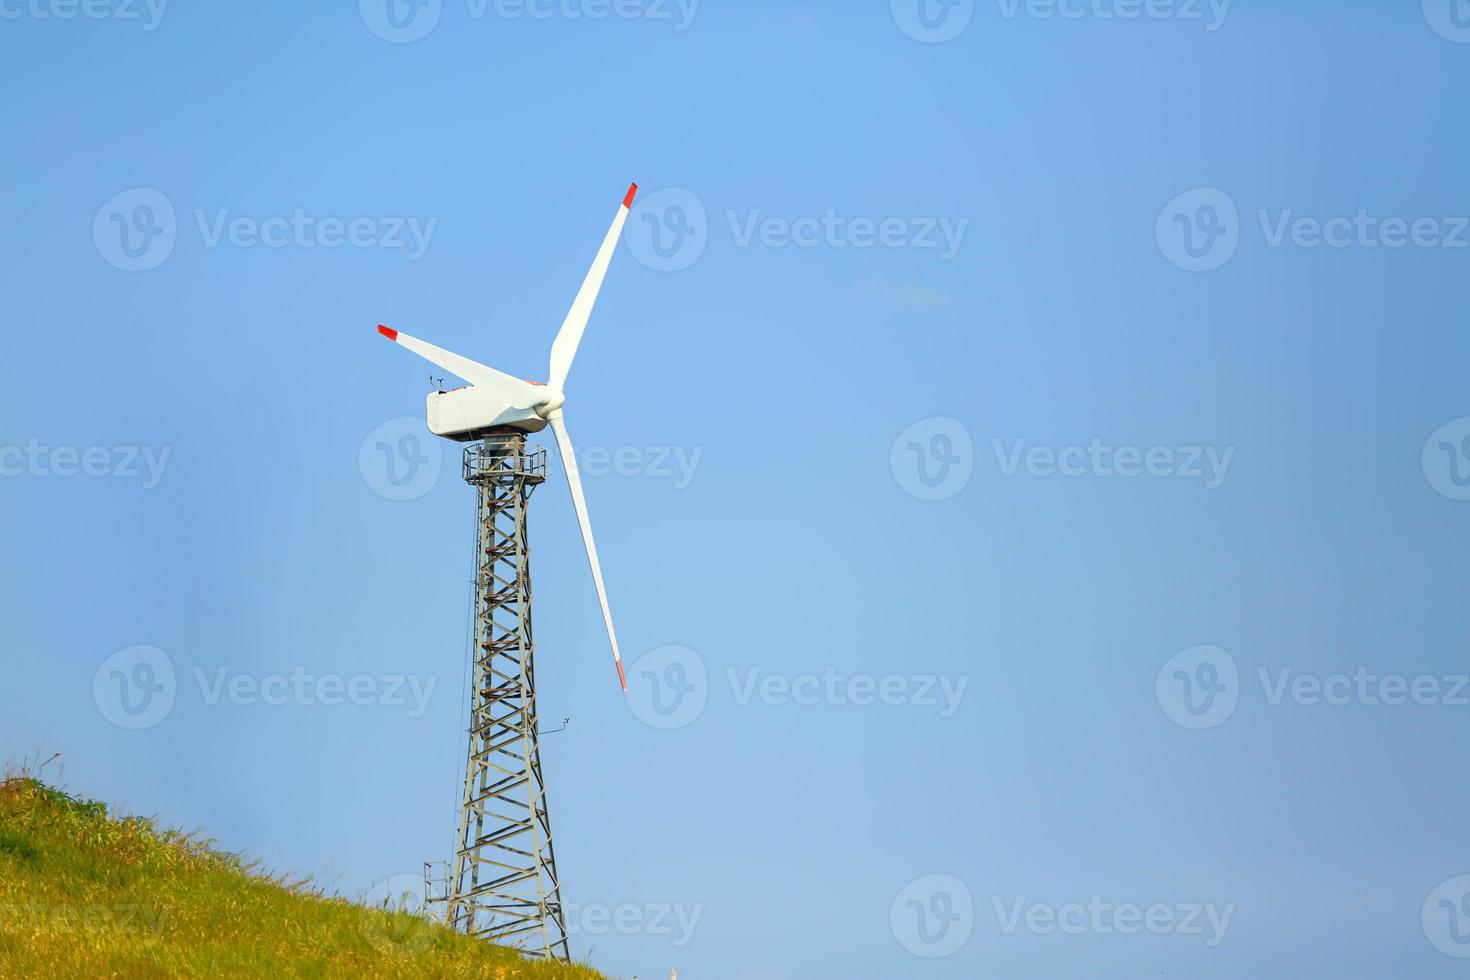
(503, 883)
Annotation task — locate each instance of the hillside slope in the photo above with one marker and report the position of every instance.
(83, 894)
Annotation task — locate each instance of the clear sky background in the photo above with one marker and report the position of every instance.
(1075, 762)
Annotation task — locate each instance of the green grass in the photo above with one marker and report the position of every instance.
(86, 894)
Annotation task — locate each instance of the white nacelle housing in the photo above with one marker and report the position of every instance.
(464, 413)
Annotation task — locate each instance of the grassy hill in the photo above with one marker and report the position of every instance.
(84, 894)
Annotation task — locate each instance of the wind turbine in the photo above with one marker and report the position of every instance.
(498, 400)
(503, 883)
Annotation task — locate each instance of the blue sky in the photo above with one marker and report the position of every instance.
(894, 320)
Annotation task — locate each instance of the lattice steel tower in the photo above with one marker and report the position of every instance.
(502, 882)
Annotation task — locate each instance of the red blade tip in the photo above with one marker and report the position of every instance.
(628, 201)
(388, 332)
(621, 679)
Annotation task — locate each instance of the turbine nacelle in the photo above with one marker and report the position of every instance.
(468, 414)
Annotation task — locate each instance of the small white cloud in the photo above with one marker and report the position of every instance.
(912, 295)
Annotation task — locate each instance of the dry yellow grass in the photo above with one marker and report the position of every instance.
(84, 894)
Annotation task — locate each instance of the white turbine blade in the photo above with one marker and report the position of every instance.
(513, 391)
(564, 348)
(574, 480)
